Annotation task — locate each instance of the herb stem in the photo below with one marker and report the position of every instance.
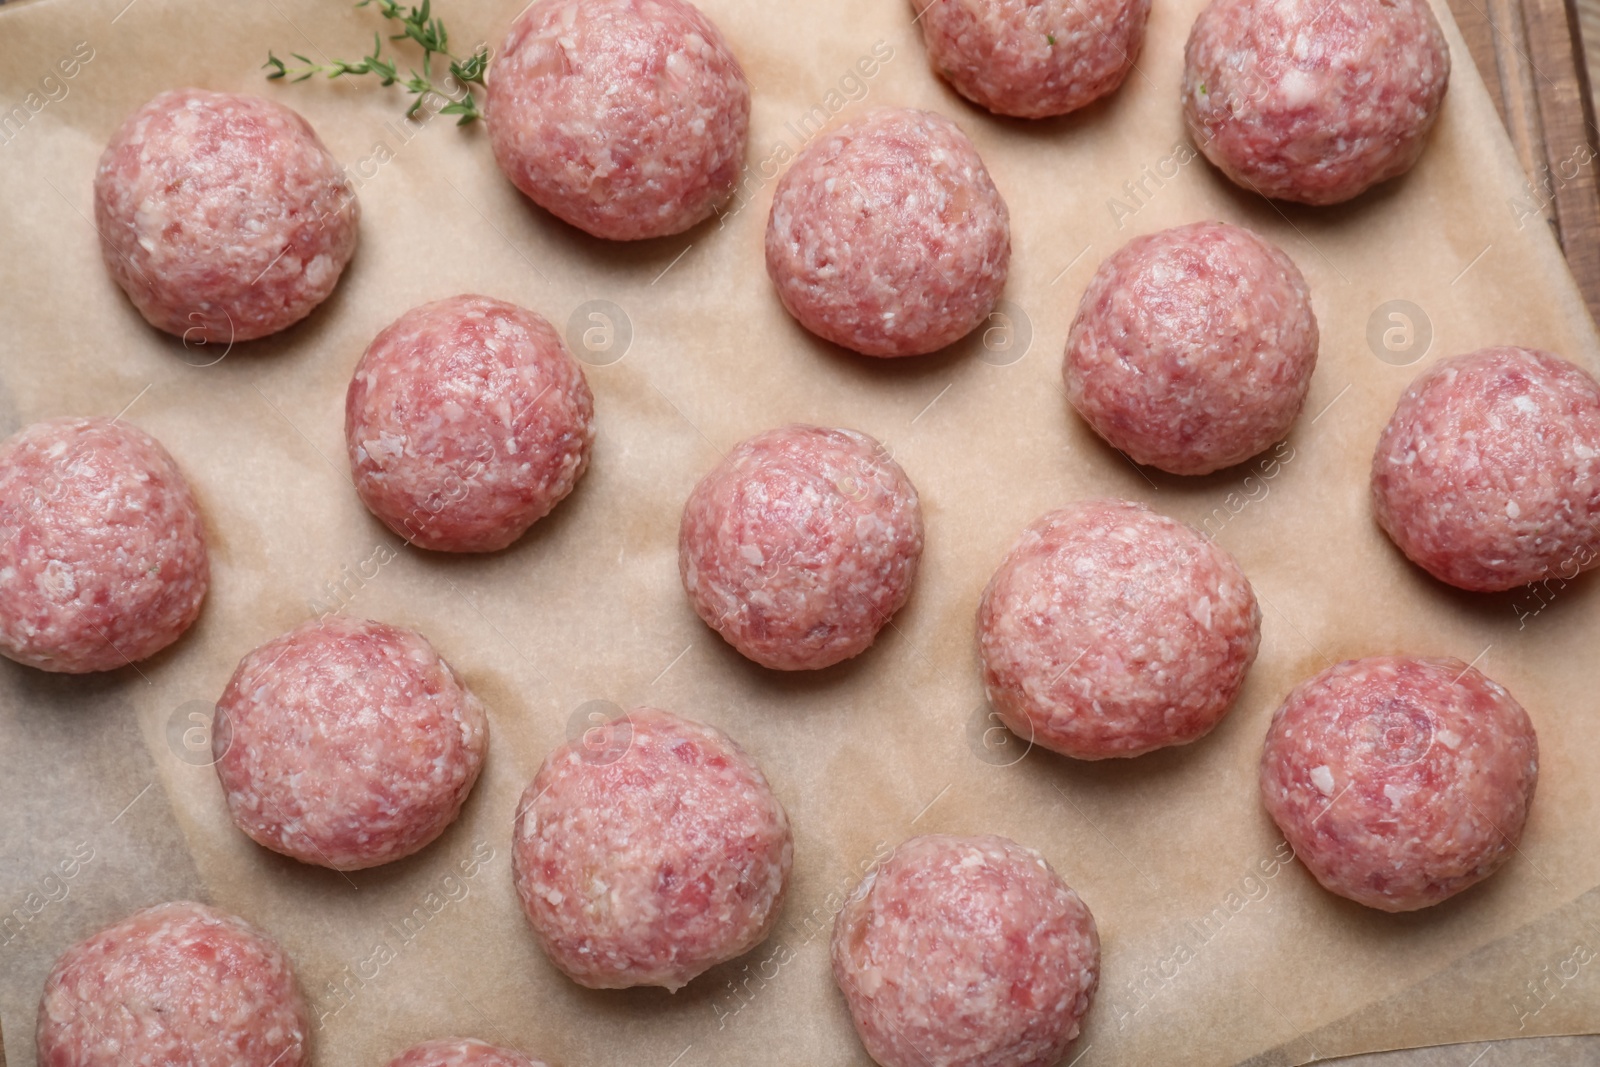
(416, 24)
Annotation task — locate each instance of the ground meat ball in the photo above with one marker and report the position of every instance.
(466, 421)
(626, 118)
(800, 545)
(1110, 630)
(648, 859)
(966, 950)
(1400, 781)
(222, 216)
(178, 984)
(887, 235)
(102, 551)
(347, 743)
(1488, 474)
(1033, 59)
(1314, 100)
(461, 1052)
(1193, 348)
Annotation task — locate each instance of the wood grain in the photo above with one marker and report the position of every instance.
(1531, 55)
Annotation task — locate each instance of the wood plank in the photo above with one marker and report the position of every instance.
(1530, 54)
(1572, 144)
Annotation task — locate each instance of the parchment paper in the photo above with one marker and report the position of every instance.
(1217, 948)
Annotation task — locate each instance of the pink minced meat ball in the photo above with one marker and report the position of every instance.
(887, 235)
(1314, 100)
(1400, 781)
(1110, 630)
(347, 743)
(466, 421)
(1033, 59)
(222, 216)
(461, 1052)
(1488, 474)
(800, 545)
(966, 950)
(1193, 348)
(178, 983)
(651, 856)
(626, 118)
(102, 549)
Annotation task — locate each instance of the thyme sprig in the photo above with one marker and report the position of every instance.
(417, 24)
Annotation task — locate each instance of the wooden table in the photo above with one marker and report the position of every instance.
(1531, 55)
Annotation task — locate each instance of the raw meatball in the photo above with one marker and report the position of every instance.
(102, 551)
(888, 237)
(466, 421)
(461, 1052)
(1193, 348)
(800, 545)
(1314, 100)
(175, 984)
(1488, 475)
(222, 216)
(1110, 630)
(626, 118)
(653, 857)
(1400, 781)
(1029, 58)
(347, 743)
(966, 950)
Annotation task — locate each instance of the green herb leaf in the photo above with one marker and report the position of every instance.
(418, 25)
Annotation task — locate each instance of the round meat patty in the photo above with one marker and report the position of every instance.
(1110, 630)
(800, 545)
(222, 216)
(176, 984)
(102, 550)
(887, 235)
(966, 950)
(347, 743)
(1031, 59)
(1193, 348)
(461, 1052)
(1488, 474)
(1400, 781)
(651, 857)
(466, 421)
(1314, 101)
(625, 118)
